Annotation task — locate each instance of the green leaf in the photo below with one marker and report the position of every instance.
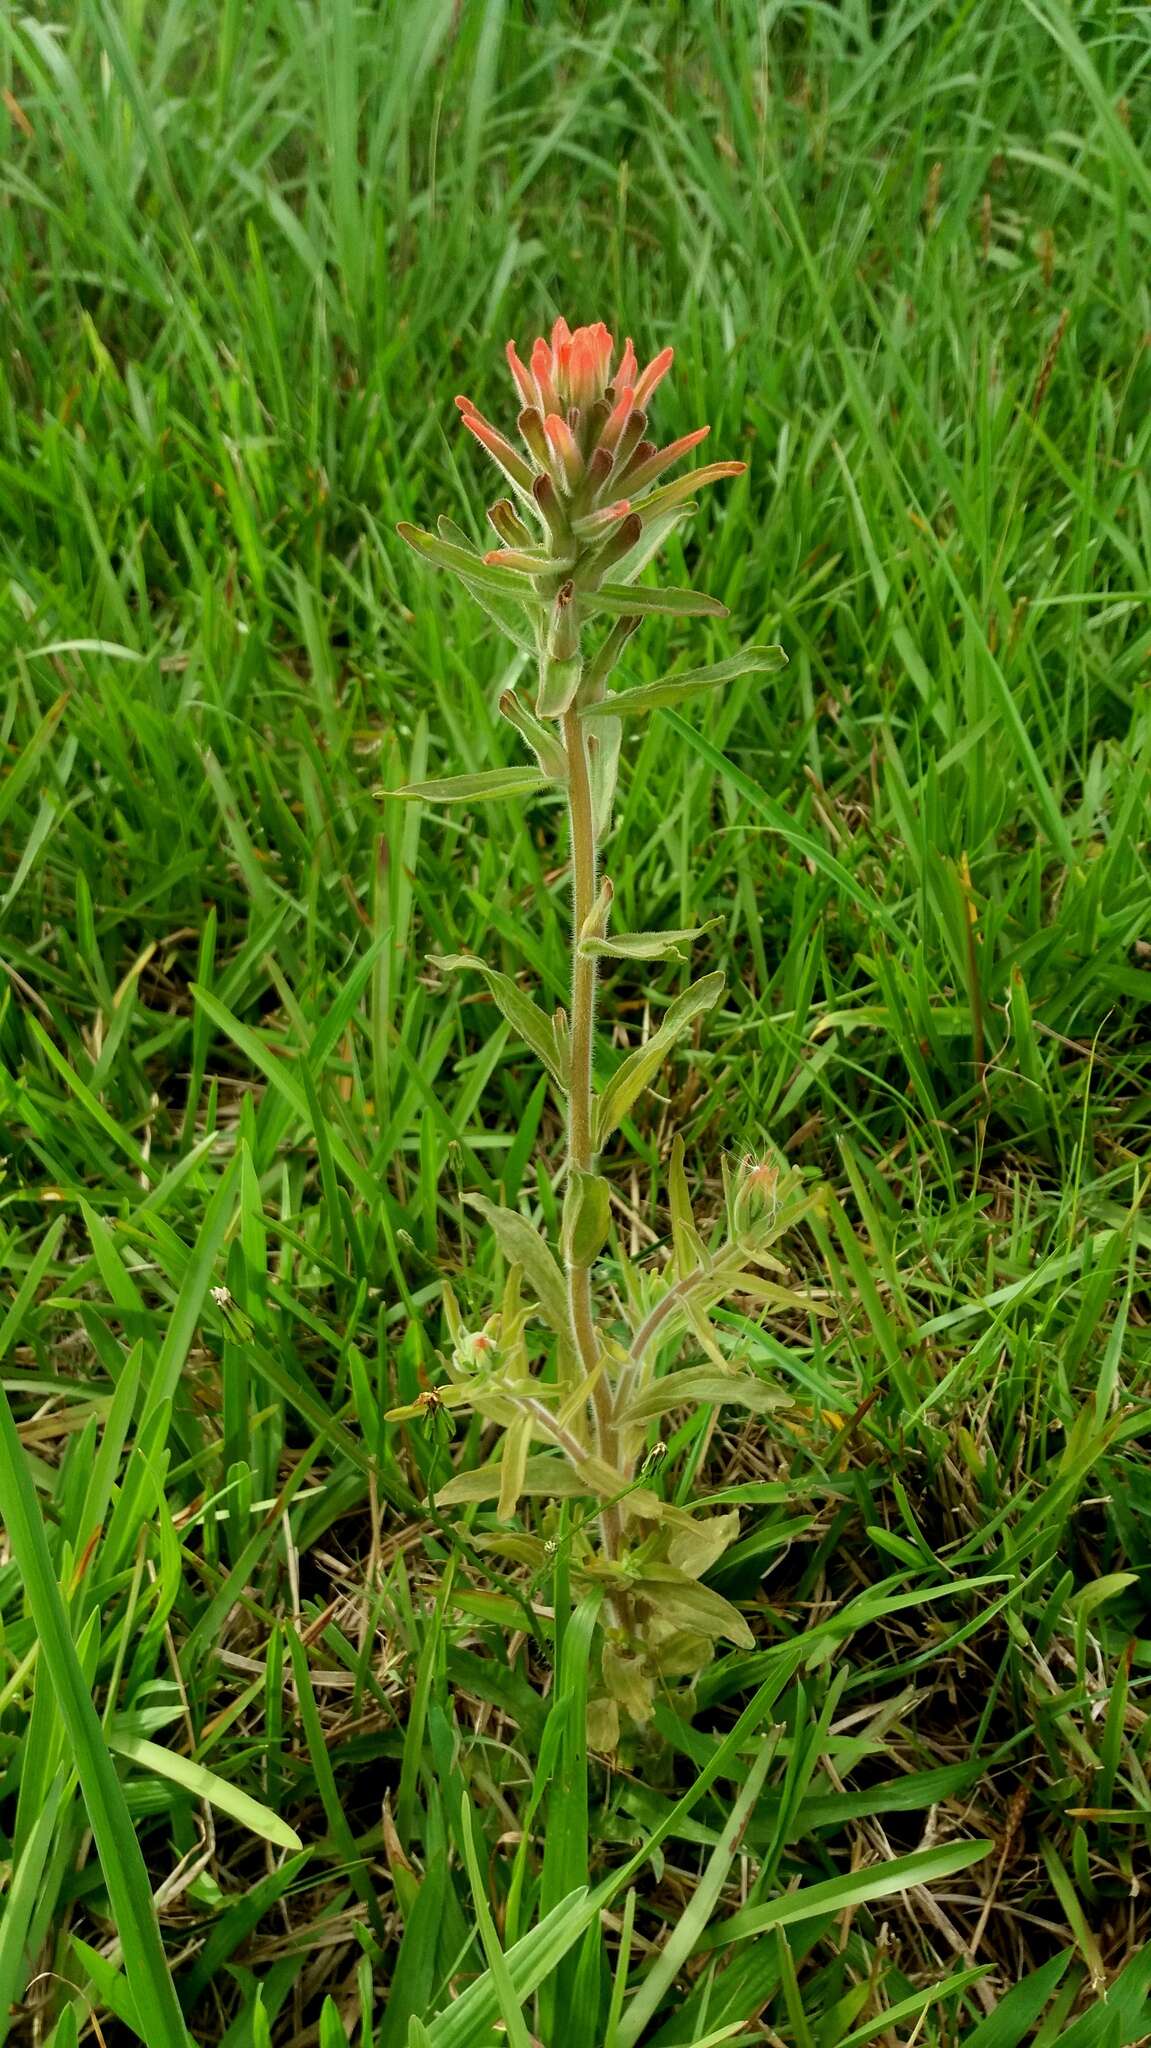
(632, 1077)
(508, 1996)
(586, 1218)
(490, 784)
(23, 1890)
(626, 598)
(524, 1015)
(647, 945)
(854, 1888)
(538, 1953)
(603, 765)
(517, 1443)
(559, 681)
(446, 554)
(703, 1383)
(685, 1936)
(542, 1475)
(509, 617)
(1018, 2011)
(125, 1873)
(333, 2033)
(544, 743)
(523, 1246)
(672, 690)
(679, 1598)
(204, 1784)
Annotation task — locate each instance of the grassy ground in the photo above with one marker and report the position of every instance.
(248, 253)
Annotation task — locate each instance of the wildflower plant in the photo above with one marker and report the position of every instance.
(579, 1374)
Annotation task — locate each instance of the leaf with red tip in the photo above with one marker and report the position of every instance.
(685, 487)
(561, 441)
(501, 451)
(521, 375)
(626, 374)
(543, 371)
(654, 374)
(444, 554)
(522, 562)
(644, 471)
(618, 418)
(607, 515)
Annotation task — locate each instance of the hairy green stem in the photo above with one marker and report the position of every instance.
(580, 1152)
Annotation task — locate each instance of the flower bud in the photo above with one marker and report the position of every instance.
(755, 1199)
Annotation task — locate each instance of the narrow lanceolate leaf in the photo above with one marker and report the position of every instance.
(854, 1888)
(523, 1246)
(491, 784)
(672, 690)
(522, 1013)
(626, 598)
(647, 945)
(630, 1080)
(703, 1383)
(683, 1937)
(446, 554)
(513, 1464)
(204, 1784)
(125, 1872)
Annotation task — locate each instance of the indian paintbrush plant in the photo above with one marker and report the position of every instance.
(583, 1359)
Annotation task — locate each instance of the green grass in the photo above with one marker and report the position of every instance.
(248, 253)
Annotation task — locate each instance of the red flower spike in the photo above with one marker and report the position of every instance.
(542, 370)
(561, 334)
(654, 374)
(584, 372)
(523, 377)
(625, 375)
